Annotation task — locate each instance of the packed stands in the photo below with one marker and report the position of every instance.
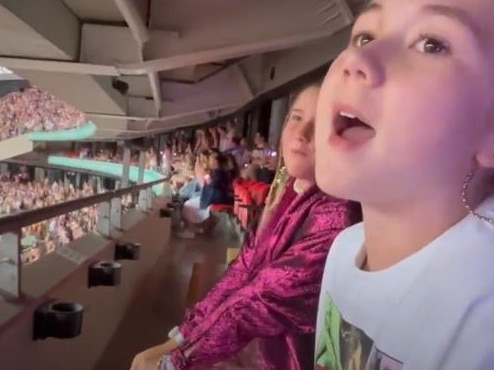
(44, 237)
(32, 109)
(18, 194)
(191, 168)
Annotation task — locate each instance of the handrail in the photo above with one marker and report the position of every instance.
(22, 219)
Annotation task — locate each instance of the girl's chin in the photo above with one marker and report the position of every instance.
(301, 172)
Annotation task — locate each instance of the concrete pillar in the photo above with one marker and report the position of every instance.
(78, 184)
(126, 167)
(253, 124)
(10, 264)
(142, 166)
(239, 125)
(39, 174)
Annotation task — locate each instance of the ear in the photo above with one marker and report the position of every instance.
(485, 153)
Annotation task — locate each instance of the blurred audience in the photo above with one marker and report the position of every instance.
(35, 110)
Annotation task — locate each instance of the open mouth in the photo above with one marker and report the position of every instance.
(351, 128)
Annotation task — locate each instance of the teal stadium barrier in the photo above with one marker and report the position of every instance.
(74, 134)
(108, 168)
(105, 168)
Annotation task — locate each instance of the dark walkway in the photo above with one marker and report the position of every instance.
(160, 302)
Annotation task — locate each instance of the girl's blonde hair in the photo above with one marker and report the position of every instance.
(282, 176)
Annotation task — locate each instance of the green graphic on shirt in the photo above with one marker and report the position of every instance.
(328, 349)
(343, 346)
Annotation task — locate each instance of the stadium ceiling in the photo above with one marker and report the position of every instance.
(139, 67)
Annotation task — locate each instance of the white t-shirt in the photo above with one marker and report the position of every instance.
(224, 143)
(166, 162)
(432, 311)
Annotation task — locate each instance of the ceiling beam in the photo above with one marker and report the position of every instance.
(86, 93)
(140, 33)
(58, 66)
(228, 52)
(39, 29)
(106, 61)
(130, 12)
(155, 83)
(302, 22)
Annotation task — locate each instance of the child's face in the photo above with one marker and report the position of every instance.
(213, 162)
(420, 74)
(297, 139)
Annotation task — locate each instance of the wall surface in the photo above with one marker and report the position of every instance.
(11, 85)
(15, 146)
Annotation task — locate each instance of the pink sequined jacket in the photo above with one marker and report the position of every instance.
(270, 292)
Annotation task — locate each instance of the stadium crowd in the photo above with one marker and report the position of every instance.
(191, 163)
(32, 109)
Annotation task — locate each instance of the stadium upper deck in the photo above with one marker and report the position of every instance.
(140, 67)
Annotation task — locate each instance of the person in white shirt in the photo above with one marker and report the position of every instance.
(241, 152)
(224, 141)
(166, 161)
(405, 125)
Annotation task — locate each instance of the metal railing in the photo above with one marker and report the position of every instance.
(109, 219)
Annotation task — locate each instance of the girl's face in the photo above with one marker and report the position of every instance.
(405, 112)
(297, 140)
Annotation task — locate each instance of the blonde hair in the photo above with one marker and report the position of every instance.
(282, 177)
(275, 194)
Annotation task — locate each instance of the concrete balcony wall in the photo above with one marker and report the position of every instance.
(56, 277)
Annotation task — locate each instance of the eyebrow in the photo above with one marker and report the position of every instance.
(371, 7)
(458, 15)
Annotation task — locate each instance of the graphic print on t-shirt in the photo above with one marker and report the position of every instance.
(342, 346)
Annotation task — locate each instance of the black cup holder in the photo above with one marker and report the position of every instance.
(104, 273)
(56, 319)
(166, 212)
(127, 251)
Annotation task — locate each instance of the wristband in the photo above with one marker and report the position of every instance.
(176, 336)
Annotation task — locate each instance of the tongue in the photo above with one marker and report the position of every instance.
(358, 134)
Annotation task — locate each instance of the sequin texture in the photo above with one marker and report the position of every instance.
(270, 292)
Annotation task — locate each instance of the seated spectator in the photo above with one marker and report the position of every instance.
(216, 190)
(266, 171)
(240, 151)
(190, 190)
(192, 214)
(217, 185)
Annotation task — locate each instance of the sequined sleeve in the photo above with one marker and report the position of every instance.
(233, 278)
(282, 298)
